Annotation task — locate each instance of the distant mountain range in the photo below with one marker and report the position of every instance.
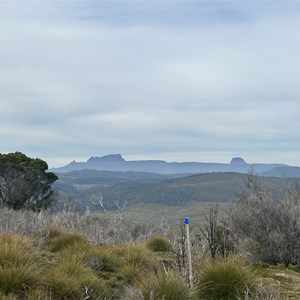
(115, 162)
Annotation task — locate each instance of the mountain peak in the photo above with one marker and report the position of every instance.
(111, 158)
(237, 161)
(115, 162)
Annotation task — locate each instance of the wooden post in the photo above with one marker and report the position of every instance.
(186, 221)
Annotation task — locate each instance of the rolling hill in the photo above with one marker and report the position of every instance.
(136, 187)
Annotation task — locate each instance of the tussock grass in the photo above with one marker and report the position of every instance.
(7, 297)
(165, 286)
(158, 244)
(69, 267)
(131, 272)
(225, 280)
(59, 240)
(135, 261)
(71, 277)
(15, 250)
(101, 259)
(20, 265)
(63, 286)
(139, 255)
(39, 294)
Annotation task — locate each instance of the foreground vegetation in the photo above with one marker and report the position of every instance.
(52, 257)
(252, 251)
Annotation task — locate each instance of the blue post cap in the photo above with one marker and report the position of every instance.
(186, 220)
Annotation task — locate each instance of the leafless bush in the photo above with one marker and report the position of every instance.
(65, 202)
(103, 228)
(23, 221)
(269, 230)
(210, 230)
(180, 249)
(97, 228)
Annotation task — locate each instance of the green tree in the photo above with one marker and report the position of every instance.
(24, 182)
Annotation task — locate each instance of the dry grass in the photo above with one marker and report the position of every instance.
(20, 265)
(168, 286)
(226, 280)
(285, 281)
(159, 244)
(57, 257)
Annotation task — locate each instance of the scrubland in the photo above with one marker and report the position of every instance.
(73, 256)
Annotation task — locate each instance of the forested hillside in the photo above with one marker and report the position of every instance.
(141, 187)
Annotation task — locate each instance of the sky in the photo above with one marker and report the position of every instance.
(173, 80)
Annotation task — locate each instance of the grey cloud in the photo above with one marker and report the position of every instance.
(77, 85)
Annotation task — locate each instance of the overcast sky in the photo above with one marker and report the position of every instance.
(172, 80)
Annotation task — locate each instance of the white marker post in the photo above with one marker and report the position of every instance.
(186, 221)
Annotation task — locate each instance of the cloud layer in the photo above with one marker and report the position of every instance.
(172, 80)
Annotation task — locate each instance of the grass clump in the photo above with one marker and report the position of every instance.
(138, 255)
(38, 294)
(131, 272)
(165, 286)
(7, 297)
(59, 240)
(225, 280)
(101, 259)
(20, 266)
(136, 261)
(159, 244)
(63, 286)
(70, 278)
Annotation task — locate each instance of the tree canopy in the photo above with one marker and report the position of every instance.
(24, 182)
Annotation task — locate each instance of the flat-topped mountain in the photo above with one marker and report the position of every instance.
(115, 162)
(237, 161)
(108, 159)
